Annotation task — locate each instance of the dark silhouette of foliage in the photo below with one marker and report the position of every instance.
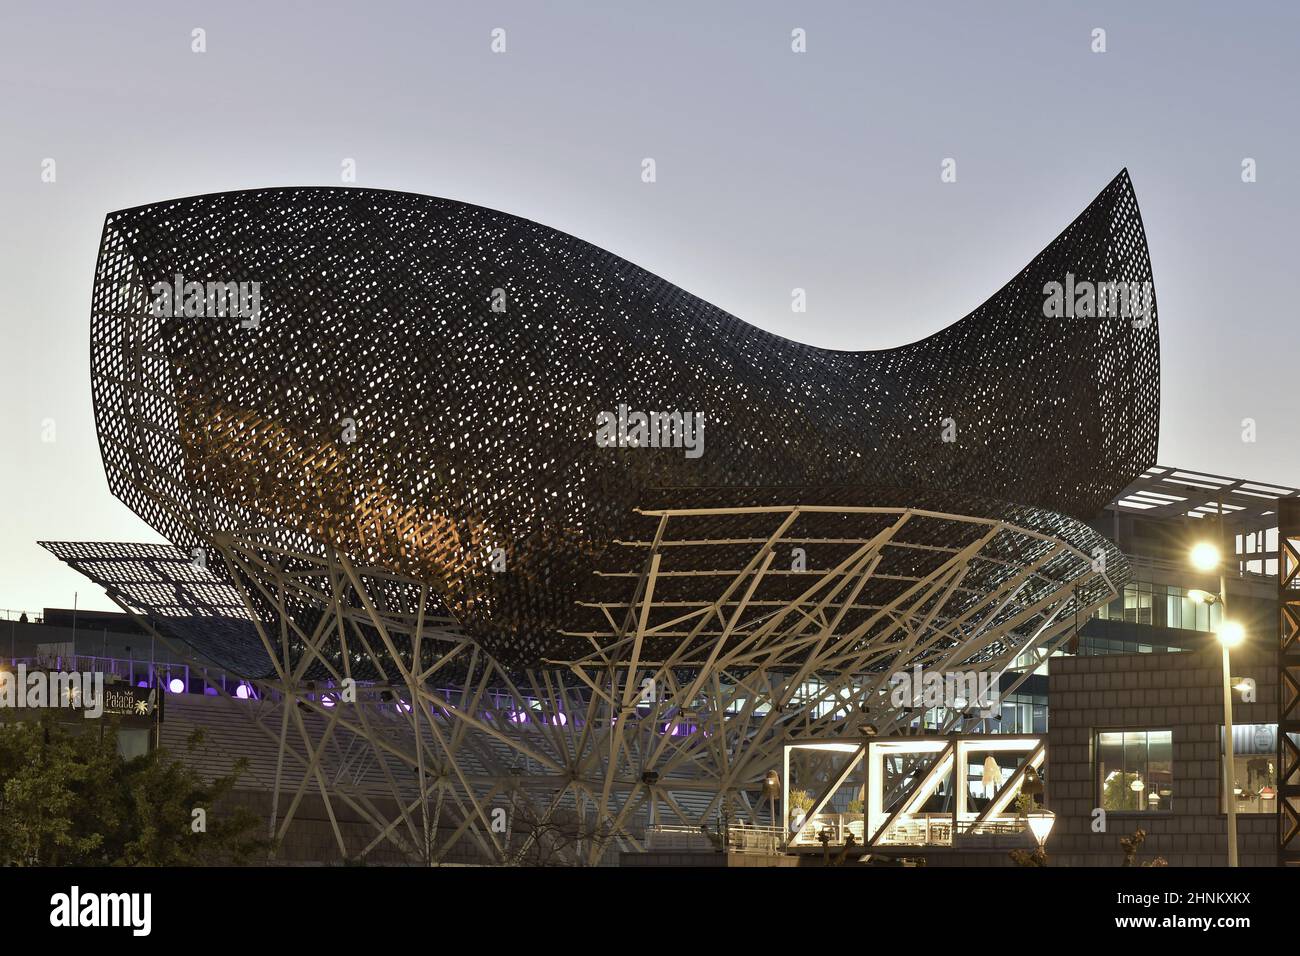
(67, 798)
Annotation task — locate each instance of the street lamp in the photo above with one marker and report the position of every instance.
(1205, 557)
(1230, 635)
(772, 784)
(1040, 825)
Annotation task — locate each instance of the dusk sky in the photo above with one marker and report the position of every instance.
(775, 170)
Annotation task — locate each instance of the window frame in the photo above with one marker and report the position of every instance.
(1223, 756)
(1098, 788)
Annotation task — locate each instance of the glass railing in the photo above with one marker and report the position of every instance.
(941, 829)
(832, 827)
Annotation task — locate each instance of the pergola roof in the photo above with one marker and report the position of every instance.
(1167, 492)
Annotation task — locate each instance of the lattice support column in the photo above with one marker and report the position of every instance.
(1288, 673)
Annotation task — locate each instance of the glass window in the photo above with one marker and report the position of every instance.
(1182, 612)
(1163, 606)
(1137, 603)
(1135, 770)
(1254, 761)
(132, 742)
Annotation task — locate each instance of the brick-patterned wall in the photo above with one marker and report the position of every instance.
(1179, 692)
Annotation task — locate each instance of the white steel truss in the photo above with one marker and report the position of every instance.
(677, 711)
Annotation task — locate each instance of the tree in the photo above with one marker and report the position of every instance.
(551, 835)
(1118, 792)
(67, 798)
(1038, 857)
(51, 787)
(1131, 845)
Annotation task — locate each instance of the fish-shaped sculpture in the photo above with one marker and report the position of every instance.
(479, 402)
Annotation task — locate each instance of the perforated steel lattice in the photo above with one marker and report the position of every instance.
(475, 429)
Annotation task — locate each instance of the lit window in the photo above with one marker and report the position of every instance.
(1135, 770)
(1254, 761)
(1182, 612)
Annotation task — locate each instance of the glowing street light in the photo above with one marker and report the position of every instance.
(1230, 635)
(1205, 556)
(1040, 825)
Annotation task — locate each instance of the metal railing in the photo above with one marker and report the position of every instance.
(749, 838)
(13, 614)
(734, 837)
(137, 672)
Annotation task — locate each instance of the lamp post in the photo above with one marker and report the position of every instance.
(1230, 634)
(772, 784)
(1205, 557)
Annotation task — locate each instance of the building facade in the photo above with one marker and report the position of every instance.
(1136, 741)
